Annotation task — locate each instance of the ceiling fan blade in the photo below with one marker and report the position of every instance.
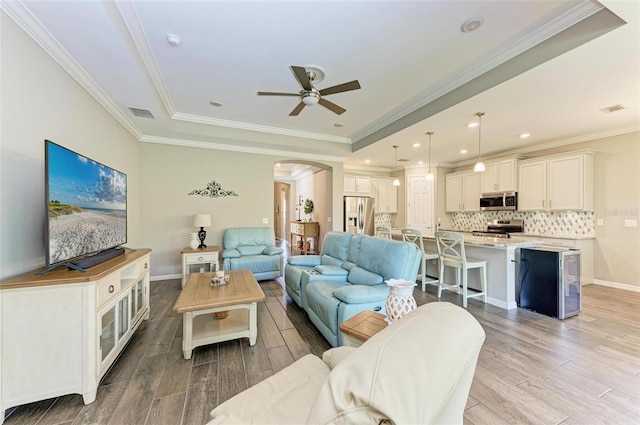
(331, 106)
(302, 77)
(297, 109)
(351, 85)
(270, 93)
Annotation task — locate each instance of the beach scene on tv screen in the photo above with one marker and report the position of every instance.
(87, 205)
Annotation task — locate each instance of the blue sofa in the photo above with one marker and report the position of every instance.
(253, 248)
(347, 277)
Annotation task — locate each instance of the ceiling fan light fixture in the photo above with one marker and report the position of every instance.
(310, 98)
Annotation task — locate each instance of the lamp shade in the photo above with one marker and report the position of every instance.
(201, 220)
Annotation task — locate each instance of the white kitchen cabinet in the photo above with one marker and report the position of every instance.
(532, 190)
(558, 183)
(385, 195)
(357, 185)
(62, 331)
(499, 177)
(462, 192)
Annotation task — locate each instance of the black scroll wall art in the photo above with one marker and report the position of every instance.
(213, 190)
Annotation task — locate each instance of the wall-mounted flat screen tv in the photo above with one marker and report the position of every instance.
(86, 206)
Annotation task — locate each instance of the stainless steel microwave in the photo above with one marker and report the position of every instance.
(505, 201)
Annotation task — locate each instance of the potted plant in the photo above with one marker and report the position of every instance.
(308, 208)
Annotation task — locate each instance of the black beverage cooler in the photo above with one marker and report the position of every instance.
(550, 281)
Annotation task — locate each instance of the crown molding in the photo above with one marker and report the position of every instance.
(242, 149)
(199, 119)
(576, 14)
(22, 16)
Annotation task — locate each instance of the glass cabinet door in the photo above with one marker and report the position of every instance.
(140, 296)
(123, 317)
(108, 335)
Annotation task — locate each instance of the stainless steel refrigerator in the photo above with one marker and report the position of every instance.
(358, 215)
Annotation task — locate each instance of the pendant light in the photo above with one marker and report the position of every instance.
(479, 167)
(429, 175)
(396, 182)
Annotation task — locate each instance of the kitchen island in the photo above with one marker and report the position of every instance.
(501, 255)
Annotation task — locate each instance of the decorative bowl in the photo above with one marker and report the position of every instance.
(219, 280)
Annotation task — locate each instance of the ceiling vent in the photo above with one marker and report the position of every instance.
(614, 108)
(143, 113)
(404, 160)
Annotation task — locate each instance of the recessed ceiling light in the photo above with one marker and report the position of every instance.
(338, 124)
(416, 145)
(366, 161)
(277, 164)
(216, 103)
(463, 151)
(525, 135)
(472, 124)
(472, 24)
(174, 40)
(420, 162)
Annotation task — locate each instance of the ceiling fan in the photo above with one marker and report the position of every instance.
(309, 95)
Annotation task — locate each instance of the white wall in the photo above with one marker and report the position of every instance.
(41, 101)
(169, 173)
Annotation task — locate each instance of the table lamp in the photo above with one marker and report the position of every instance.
(202, 221)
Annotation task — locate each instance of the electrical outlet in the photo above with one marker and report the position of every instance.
(600, 222)
(632, 222)
(328, 219)
(265, 220)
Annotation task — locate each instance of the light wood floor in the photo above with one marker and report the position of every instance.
(532, 369)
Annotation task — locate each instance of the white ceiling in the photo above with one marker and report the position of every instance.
(524, 67)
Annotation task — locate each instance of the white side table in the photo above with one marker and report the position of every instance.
(199, 257)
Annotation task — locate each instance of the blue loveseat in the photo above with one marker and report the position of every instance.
(347, 277)
(253, 248)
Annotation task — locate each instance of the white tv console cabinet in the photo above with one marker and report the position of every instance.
(61, 331)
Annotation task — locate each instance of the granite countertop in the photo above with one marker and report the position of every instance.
(469, 239)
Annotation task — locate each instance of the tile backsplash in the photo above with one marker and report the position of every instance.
(383, 219)
(562, 224)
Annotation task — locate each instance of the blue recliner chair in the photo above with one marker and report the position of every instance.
(253, 248)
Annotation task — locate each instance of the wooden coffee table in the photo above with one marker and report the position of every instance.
(361, 327)
(199, 301)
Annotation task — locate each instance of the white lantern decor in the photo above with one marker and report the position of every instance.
(400, 300)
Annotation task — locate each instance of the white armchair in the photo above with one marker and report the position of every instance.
(413, 371)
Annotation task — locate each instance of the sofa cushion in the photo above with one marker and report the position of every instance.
(354, 248)
(331, 270)
(284, 398)
(331, 261)
(357, 294)
(251, 249)
(336, 245)
(390, 259)
(360, 276)
(304, 260)
(272, 250)
(242, 236)
(230, 253)
(374, 382)
(256, 263)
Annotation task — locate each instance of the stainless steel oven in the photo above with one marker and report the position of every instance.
(504, 201)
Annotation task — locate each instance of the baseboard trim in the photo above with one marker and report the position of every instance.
(617, 285)
(165, 277)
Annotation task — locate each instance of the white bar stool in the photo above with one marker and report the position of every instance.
(383, 232)
(451, 252)
(415, 237)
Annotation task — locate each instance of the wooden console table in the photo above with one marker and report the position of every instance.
(305, 230)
